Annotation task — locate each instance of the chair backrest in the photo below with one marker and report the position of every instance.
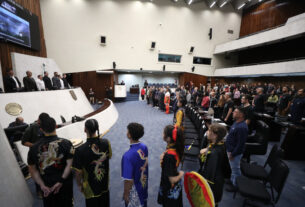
(262, 131)
(274, 155)
(277, 178)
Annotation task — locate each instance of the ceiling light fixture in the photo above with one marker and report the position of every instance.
(190, 1)
(241, 6)
(214, 2)
(224, 3)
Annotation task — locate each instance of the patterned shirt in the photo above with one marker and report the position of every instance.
(92, 159)
(49, 155)
(132, 162)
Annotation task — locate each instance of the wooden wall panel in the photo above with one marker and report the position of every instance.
(197, 79)
(90, 79)
(298, 81)
(6, 48)
(269, 14)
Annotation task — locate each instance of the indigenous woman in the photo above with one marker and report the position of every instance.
(214, 160)
(170, 191)
(167, 101)
(179, 114)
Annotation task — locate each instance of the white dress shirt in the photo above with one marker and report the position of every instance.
(40, 85)
(62, 86)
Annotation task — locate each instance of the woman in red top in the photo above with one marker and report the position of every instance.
(205, 102)
(142, 93)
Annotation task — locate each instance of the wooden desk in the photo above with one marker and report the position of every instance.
(134, 90)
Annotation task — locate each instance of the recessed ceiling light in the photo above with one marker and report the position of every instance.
(241, 6)
(214, 2)
(224, 3)
(190, 1)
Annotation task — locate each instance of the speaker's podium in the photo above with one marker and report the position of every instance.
(120, 92)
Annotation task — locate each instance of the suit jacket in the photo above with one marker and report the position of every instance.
(56, 83)
(29, 84)
(10, 84)
(47, 82)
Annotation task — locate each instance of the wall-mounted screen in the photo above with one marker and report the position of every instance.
(18, 25)
(169, 58)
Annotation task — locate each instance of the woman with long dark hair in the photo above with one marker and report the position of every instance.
(91, 165)
(170, 191)
(214, 160)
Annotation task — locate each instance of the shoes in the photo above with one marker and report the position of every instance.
(231, 188)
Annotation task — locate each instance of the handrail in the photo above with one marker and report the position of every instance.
(267, 62)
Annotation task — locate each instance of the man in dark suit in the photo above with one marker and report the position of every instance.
(29, 82)
(56, 81)
(47, 81)
(11, 82)
(64, 79)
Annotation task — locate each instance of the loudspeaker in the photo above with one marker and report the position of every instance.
(193, 68)
(191, 50)
(114, 65)
(211, 33)
(153, 45)
(163, 67)
(141, 68)
(103, 40)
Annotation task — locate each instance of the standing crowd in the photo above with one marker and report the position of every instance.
(42, 83)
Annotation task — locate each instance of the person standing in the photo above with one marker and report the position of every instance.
(50, 161)
(228, 109)
(167, 98)
(297, 109)
(33, 133)
(64, 79)
(283, 105)
(142, 94)
(214, 160)
(235, 144)
(91, 165)
(47, 81)
(29, 82)
(40, 83)
(11, 82)
(135, 168)
(56, 81)
(170, 191)
(259, 101)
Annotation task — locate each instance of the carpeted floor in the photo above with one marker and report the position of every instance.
(154, 121)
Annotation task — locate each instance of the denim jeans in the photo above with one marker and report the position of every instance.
(235, 167)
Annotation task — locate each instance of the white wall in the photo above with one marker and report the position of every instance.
(14, 191)
(133, 79)
(294, 27)
(22, 63)
(73, 28)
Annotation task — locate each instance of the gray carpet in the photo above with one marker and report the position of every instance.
(154, 121)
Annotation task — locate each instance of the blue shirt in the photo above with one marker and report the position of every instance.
(297, 109)
(132, 161)
(237, 138)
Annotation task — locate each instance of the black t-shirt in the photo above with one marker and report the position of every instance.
(283, 102)
(229, 104)
(92, 159)
(249, 112)
(259, 103)
(49, 155)
(169, 195)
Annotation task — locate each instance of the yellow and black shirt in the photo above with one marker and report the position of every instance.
(92, 159)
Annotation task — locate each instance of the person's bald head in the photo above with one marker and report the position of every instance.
(19, 120)
(228, 95)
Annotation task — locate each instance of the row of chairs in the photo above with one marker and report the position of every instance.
(259, 183)
(194, 131)
(172, 85)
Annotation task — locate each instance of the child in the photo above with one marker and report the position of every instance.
(170, 191)
(216, 165)
(135, 168)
